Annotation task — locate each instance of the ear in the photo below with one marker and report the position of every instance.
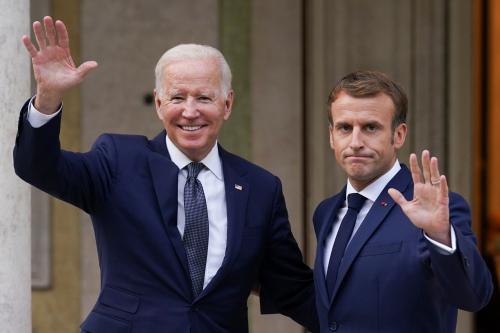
(157, 104)
(228, 105)
(400, 135)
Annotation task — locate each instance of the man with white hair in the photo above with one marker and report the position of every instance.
(184, 229)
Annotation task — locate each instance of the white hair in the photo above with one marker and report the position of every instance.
(193, 52)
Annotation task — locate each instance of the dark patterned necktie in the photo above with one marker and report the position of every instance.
(354, 203)
(195, 237)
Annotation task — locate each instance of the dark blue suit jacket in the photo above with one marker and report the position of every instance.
(128, 185)
(391, 278)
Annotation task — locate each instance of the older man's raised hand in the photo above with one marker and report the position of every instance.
(54, 69)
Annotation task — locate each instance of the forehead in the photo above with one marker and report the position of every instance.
(379, 107)
(192, 74)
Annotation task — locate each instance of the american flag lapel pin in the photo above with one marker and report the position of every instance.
(383, 203)
(238, 187)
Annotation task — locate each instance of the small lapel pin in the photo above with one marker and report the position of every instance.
(383, 203)
(238, 187)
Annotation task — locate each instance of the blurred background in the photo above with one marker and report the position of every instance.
(285, 56)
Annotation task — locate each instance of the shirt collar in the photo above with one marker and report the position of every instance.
(212, 161)
(373, 190)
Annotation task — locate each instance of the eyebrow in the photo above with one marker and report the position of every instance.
(363, 123)
(174, 92)
(340, 123)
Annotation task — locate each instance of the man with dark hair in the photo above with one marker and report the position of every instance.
(396, 252)
(184, 229)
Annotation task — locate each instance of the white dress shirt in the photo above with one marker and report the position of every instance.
(212, 180)
(371, 193)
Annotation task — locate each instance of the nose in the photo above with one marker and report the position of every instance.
(356, 139)
(190, 109)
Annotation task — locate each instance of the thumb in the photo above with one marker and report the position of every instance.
(397, 197)
(86, 67)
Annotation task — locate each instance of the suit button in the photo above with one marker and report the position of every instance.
(466, 262)
(333, 326)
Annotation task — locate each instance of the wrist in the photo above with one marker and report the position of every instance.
(47, 103)
(440, 237)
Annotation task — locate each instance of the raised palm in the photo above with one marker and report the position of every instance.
(54, 69)
(429, 208)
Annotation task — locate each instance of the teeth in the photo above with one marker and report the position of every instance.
(191, 128)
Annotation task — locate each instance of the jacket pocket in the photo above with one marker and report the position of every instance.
(380, 249)
(119, 299)
(98, 323)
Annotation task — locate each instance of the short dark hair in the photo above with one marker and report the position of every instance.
(369, 84)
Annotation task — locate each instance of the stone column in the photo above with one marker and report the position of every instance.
(15, 277)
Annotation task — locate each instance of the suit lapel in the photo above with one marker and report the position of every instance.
(324, 230)
(164, 175)
(381, 207)
(237, 192)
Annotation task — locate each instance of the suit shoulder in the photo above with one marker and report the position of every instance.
(128, 141)
(457, 197)
(324, 206)
(327, 202)
(250, 168)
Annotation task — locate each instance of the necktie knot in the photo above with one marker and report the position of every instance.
(194, 169)
(355, 201)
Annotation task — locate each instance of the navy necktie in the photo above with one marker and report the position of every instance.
(354, 203)
(195, 237)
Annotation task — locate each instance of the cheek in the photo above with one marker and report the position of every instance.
(338, 144)
(337, 151)
(169, 114)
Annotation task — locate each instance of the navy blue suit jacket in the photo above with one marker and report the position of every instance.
(128, 185)
(391, 279)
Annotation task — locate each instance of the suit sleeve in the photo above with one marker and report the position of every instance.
(82, 179)
(287, 285)
(463, 277)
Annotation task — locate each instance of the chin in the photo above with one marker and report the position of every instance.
(357, 171)
(191, 144)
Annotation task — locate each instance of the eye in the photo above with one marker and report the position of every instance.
(176, 99)
(343, 128)
(204, 99)
(371, 127)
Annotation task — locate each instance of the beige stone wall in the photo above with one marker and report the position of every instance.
(14, 193)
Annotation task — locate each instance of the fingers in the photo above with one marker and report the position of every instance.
(54, 34)
(397, 197)
(62, 34)
(430, 169)
(434, 171)
(39, 35)
(416, 174)
(29, 46)
(443, 187)
(50, 30)
(426, 166)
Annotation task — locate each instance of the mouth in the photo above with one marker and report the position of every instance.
(358, 158)
(191, 128)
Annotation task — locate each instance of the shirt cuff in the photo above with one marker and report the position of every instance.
(443, 249)
(38, 119)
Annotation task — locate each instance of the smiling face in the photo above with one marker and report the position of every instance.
(192, 106)
(362, 138)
